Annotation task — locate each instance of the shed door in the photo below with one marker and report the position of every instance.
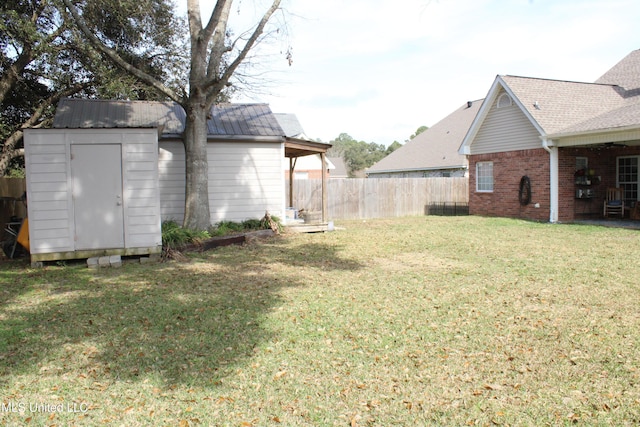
(96, 171)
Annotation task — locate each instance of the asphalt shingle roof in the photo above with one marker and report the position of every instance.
(435, 148)
(556, 105)
(565, 107)
(625, 73)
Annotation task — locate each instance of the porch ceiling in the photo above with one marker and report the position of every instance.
(300, 147)
(627, 137)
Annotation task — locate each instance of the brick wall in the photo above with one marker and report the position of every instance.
(312, 173)
(508, 168)
(603, 161)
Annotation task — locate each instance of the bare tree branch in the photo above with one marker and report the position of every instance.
(218, 48)
(215, 84)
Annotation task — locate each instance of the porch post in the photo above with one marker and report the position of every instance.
(324, 188)
(291, 166)
(553, 181)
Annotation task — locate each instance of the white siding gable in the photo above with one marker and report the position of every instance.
(505, 128)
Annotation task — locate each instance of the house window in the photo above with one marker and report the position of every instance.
(504, 100)
(582, 163)
(301, 175)
(484, 176)
(628, 177)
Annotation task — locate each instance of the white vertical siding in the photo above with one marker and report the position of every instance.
(49, 190)
(505, 129)
(245, 180)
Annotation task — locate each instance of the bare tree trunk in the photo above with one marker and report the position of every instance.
(196, 212)
(208, 76)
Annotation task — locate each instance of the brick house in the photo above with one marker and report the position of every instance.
(547, 150)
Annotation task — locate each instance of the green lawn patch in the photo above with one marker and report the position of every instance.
(396, 322)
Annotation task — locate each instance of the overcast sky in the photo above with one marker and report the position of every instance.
(379, 69)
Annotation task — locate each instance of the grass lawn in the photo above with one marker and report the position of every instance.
(398, 322)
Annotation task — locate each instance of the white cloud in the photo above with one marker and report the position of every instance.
(379, 69)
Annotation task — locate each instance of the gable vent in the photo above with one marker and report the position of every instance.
(504, 100)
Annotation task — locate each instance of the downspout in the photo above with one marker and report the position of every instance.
(553, 179)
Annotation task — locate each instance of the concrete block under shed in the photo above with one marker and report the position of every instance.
(115, 261)
(92, 262)
(104, 261)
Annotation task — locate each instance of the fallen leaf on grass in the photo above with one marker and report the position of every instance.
(493, 387)
(223, 399)
(573, 417)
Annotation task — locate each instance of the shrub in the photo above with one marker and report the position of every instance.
(226, 227)
(173, 235)
(252, 224)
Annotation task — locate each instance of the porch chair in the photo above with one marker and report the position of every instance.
(613, 202)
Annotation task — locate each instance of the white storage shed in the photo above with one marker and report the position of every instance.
(109, 172)
(92, 192)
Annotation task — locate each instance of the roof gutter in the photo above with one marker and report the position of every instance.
(231, 138)
(417, 169)
(246, 138)
(594, 132)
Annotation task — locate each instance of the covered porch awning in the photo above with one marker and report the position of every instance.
(294, 148)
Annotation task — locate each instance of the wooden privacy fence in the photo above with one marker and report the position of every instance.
(11, 190)
(363, 198)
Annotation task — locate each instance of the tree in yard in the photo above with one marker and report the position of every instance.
(213, 60)
(418, 132)
(357, 155)
(42, 59)
(392, 147)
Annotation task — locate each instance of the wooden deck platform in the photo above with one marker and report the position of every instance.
(307, 228)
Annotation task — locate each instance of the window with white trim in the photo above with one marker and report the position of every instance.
(484, 177)
(628, 177)
(582, 163)
(504, 100)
